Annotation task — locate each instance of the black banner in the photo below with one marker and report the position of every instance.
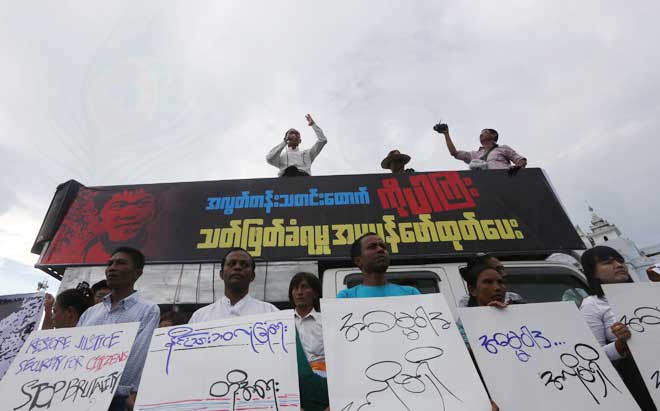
(421, 214)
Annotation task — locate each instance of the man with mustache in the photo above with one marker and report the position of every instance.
(370, 255)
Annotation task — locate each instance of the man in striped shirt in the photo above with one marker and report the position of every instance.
(125, 305)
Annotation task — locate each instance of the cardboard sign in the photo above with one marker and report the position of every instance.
(244, 363)
(638, 306)
(398, 353)
(68, 369)
(20, 314)
(543, 357)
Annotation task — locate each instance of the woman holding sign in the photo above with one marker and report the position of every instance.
(604, 265)
(486, 287)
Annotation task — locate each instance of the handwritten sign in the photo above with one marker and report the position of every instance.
(244, 363)
(397, 353)
(20, 314)
(72, 369)
(543, 357)
(638, 306)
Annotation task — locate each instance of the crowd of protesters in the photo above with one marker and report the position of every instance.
(484, 275)
(115, 300)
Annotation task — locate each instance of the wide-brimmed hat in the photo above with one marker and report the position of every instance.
(394, 155)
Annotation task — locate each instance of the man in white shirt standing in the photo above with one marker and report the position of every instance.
(294, 162)
(305, 296)
(237, 272)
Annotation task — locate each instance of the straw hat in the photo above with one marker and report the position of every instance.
(394, 155)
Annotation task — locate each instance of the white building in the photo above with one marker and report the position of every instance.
(603, 232)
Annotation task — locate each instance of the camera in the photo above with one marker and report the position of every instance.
(441, 127)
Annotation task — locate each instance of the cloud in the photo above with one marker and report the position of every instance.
(20, 278)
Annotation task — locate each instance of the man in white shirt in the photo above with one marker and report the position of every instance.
(305, 295)
(237, 272)
(294, 162)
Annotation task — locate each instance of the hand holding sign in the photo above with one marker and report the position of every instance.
(68, 369)
(546, 355)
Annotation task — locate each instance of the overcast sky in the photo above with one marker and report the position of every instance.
(125, 92)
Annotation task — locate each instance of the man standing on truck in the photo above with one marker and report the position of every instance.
(489, 156)
(125, 305)
(369, 253)
(294, 162)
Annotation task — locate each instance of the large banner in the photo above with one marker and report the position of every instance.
(638, 306)
(418, 214)
(68, 369)
(543, 357)
(20, 314)
(398, 354)
(238, 364)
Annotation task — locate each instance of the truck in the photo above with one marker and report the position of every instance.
(432, 222)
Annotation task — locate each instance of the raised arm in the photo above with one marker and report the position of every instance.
(49, 300)
(321, 140)
(443, 129)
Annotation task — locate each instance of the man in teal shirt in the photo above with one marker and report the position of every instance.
(369, 253)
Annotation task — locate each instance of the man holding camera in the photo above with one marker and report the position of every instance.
(489, 156)
(294, 162)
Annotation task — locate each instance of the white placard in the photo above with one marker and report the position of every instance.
(243, 363)
(398, 353)
(543, 357)
(68, 369)
(20, 314)
(638, 306)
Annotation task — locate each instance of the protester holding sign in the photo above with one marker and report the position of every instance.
(486, 288)
(124, 305)
(369, 252)
(237, 272)
(604, 265)
(494, 263)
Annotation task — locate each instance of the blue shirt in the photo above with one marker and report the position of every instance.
(131, 309)
(387, 290)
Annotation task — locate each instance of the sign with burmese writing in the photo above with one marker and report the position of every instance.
(69, 369)
(546, 355)
(435, 213)
(235, 364)
(637, 305)
(398, 354)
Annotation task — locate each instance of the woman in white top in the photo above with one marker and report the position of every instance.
(604, 265)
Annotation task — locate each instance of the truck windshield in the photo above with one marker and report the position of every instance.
(546, 284)
(427, 282)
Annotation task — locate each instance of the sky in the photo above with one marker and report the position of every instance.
(128, 92)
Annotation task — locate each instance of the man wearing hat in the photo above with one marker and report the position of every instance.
(294, 162)
(395, 161)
